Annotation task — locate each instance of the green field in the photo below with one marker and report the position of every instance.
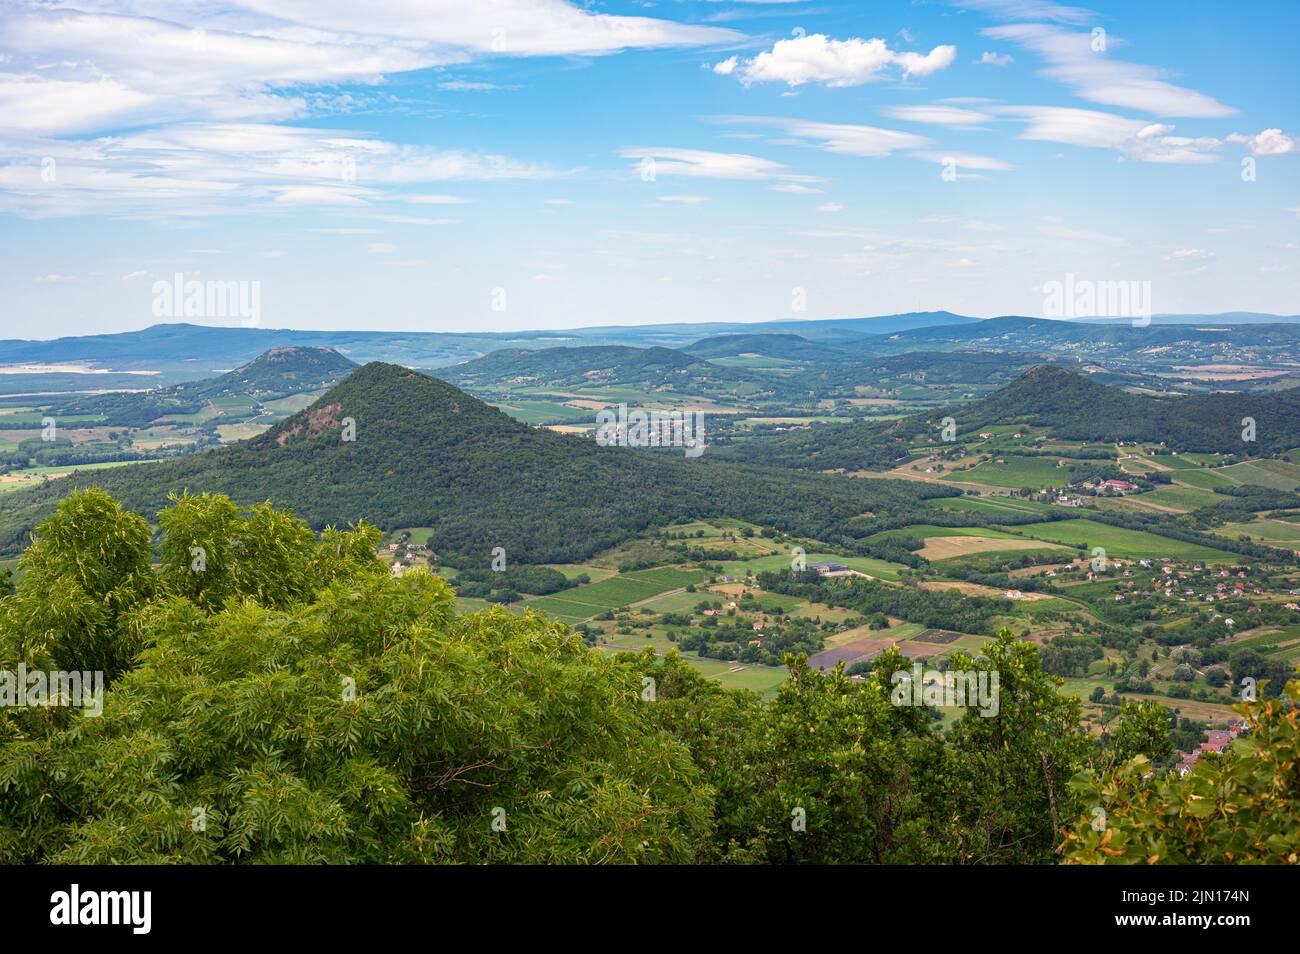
(1016, 472)
(1182, 498)
(993, 505)
(1121, 542)
(547, 412)
(924, 530)
(1205, 479)
(1273, 532)
(584, 602)
(1277, 474)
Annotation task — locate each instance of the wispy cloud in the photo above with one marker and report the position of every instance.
(1083, 62)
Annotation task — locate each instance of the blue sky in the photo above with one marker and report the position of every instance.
(511, 164)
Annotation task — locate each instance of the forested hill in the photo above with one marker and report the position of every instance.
(283, 370)
(276, 373)
(428, 454)
(1072, 405)
(1080, 409)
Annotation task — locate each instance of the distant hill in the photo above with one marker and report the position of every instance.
(1074, 406)
(787, 347)
(277, 373)
(501, 374)
(282, 371)
(1081, 409)
(1119, 343)
(427, 454)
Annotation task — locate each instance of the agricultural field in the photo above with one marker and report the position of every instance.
(1016, 472)
(952, 547)
(584, 602)
(1277, 474)
(1180, 498)
(1278, 533)
(1122, 542)
(995, 505)
(880, 569)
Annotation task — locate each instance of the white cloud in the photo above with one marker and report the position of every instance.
(1096, 76)
(953, 116)
(684, 199)
(846, 139)
(1271, 142)
(795, 188)
(816, 58)
(995, 59)
(505, 27)
(201, 169)
(703, 164)
(1029, 10)
(963, 160)
(1134, 138)
(381, 248)
(830, 207)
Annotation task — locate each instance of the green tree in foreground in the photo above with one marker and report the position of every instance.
(275, 696)
(294, 702)
(1242, 807)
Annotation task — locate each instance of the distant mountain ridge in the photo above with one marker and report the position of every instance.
(188, 352)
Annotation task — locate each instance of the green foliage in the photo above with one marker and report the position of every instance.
(343, 716)
(87, 568)
(1238, 808)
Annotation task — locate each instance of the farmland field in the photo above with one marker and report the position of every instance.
(1277, 474)
(994, 505)
(583, 602)
(949, 547)
(1122, 542)
(1016, 472)
(881, 569)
